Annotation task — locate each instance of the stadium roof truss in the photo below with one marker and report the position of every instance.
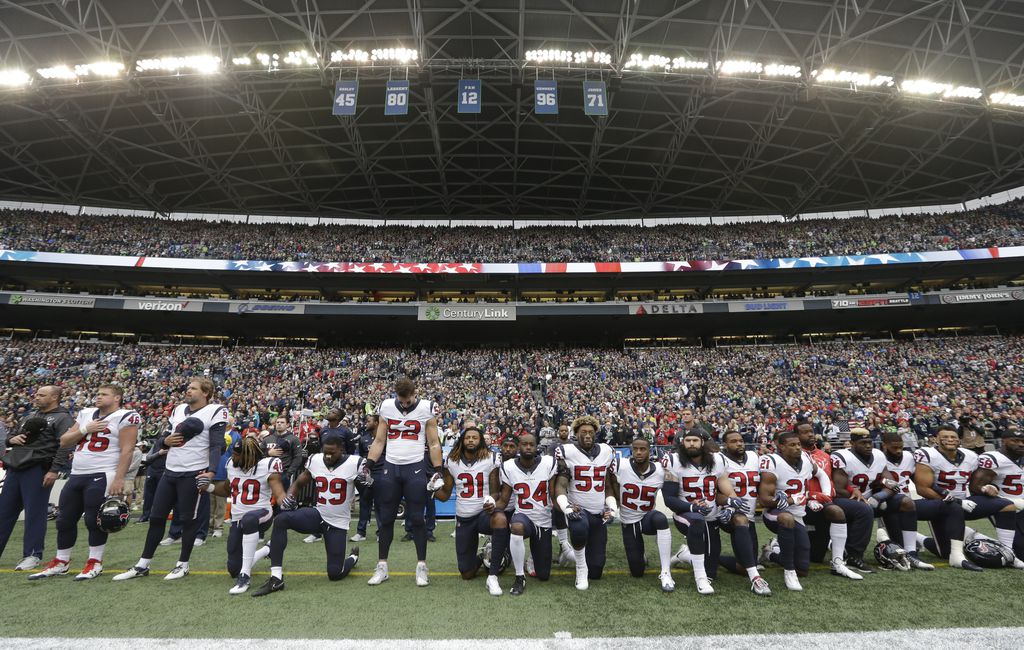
(255, 140)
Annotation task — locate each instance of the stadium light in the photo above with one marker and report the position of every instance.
(201, 64)
(268, 61)
(57, 72)
(739, 66)
(638, 60)
(1007, 99)
(394, 54)
(100, 69)
(928, 88)
(358, 56)
(301, 57)
(241, 60)
(782, 70)
(14, 78)
(864, 79)
(683, 63)
(566, 56)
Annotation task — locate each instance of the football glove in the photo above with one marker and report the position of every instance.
(781, 499)
(737, 504)
(611, 510)
(435, 483)
(364, 478)
(289, 503)
(202, 482)
(702, 508)
(725, 514)
(814, 506)
(891, 484)
(968, 506)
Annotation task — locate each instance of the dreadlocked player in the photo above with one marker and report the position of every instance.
(475, 468)
(252, 478)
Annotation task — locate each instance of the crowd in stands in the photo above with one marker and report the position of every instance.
(910, 387)
(999, 225)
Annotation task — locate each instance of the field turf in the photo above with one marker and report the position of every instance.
(618, 605)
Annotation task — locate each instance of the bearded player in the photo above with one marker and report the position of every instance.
(1001, 474)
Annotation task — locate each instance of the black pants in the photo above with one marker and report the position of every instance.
(308, 521)
(591, 532)
(176, 491)
(82, 494)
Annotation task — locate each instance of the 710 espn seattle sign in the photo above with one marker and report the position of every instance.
(465, 312)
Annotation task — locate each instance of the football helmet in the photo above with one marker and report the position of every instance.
(891, 557)
(988, 553)
(113, 515)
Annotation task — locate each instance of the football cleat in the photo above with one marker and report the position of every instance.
(485, 556)
(566, 556)
(92, 569)
(27, 563)
(179, 571)
(839, 568)
(768, 549)
(380, 574)
(169, 541)
(704, 587)
(54, 568)
(857, 562)
(966, 565)
(582, 581)
(422, 575)
(241, 585)
(918, 563)
(311, 539)
(493, 588)
(530, 569)
(134, 572)
(792, 581)
(759, 587)
(358, 537)
(270, 586)
(519, 586)
(682, 557)
(668, 585)
(217, 533)
(199, 542)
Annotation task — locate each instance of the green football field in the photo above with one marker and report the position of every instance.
(618, 605)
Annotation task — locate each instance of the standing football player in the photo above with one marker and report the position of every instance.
(332, 474)
(783, 492)
(531, 478)
(1001, 474)
(581, 496)
(252, 478)
(407, 426)
(637, 481)
(475, 468)
(105, 436)
(860, 473)
(698, 490)
(194, 449)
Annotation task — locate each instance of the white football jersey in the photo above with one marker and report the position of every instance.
(902, 470)
(472, 483)
(745, 477)
(1009, 475)
(101, 451)
(530, 488)
(953, 475)
(587, 475)
(334, 488)
(696, 484)
(251, 490)
(194, 455)
(861, 474)
(406, 430)
(637, 494)
(793, 480)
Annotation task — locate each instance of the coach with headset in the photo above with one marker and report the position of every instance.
(33, 459)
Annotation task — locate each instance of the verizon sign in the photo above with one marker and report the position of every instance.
(142, 304)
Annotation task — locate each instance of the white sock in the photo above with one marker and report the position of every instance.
(276, 572)
(581, 559)
(956, 552)
(517, 545)
(96, 552)
(143, 562)
(64, 554)
(882, 535)
(838, 534)
(752, 572)
(910, 541)
(563, 536)
(249, 544)
(920, 539)
(698, 566)
(665, 549)
(1005, 536)
(261, 553)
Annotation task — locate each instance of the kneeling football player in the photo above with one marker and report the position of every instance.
(332, 474)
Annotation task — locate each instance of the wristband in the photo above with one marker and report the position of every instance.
(563, 502)
(609, 502)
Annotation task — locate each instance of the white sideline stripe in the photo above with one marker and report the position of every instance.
(932, 639)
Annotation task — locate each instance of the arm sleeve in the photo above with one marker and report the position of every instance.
(824, 480)
(670, 492)
(216, 445)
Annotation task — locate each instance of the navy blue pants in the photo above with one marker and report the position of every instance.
(794, 545)
(308, 521)
(467, 532)
(23, 489)
(590, 531)
(429, 517)
(149, 492)
(176, 491)
(203, 517)
(987, 507)
(703, 538)
(947, 523)
(249, 523)
(633, 539)
(393, 483)
(860, 519)
(82, 494)
(540, 545)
